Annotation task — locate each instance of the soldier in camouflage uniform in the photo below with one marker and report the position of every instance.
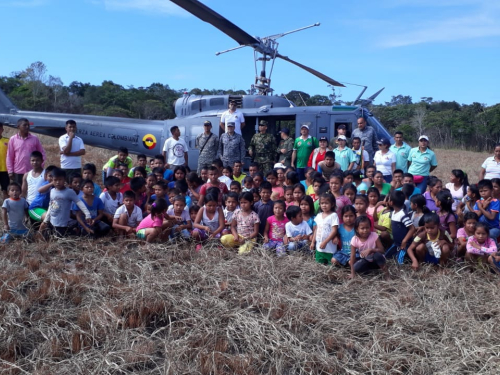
(285, 148)
(208, 144)
(262, 148)
(231, 146)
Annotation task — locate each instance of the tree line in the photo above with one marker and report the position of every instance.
(449, 124)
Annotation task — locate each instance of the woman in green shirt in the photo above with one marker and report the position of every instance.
(378, 182)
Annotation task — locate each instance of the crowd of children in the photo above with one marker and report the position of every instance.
(352, 219)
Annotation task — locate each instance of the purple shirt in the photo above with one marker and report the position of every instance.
(19, 151)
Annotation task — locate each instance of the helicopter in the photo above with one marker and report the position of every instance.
(148, 136)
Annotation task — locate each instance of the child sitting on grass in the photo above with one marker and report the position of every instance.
(480, 246)
(95, 206)
(431, 244)
(209, 221)
(244, 227)
(275, 234)
(33, 178)
(112, 198)
(297, 230)
(367, 252)
(463, 234)
(183, 226)
(128, 216)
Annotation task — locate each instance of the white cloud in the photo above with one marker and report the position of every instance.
(149, 6)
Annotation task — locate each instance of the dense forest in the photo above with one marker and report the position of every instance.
(449, 124)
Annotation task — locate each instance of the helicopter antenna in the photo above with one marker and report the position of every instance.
(302, 99)
(267, 47)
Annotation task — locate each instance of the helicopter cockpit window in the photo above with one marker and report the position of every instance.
(215, 102)
(348, 126)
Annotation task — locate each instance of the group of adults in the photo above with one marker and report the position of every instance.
(358, 152)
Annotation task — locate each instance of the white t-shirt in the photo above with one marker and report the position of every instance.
(175, 150)
(323, 230)
(71, 162)
(226, 180)
(110, 204)
(133, 219)
(184, 215)
(236, 117)
(384, 162)
(492, 168)
(456, 194)
(296, 230)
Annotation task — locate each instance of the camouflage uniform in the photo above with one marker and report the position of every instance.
(263, 148)
(231, 149)
(210, 149)
(287, 144)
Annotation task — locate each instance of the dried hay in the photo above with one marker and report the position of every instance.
(109, 307)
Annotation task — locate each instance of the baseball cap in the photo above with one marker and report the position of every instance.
(207, 123)
(285, 130)
(323, 139)
(305, 126)
(423, 137)
(384, 141)
(279, 165)
(230, 124)
(342, 137)
(262, 123)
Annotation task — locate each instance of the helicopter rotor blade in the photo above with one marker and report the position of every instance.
(312, 71)
(215, 19)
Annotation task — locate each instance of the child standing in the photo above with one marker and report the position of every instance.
(336, 182)
(4, 174)
(307, 208)
(375, 206)
(278, 192)
(244, 227)
(402, 228)
(346, 232)
(39, 205)
(88, 173)
(33, 178)
(361, 206)
(367, 249)
(264, 207)
(128, 216)
(213, 181)
(480, 246)
(275, 233)
(209, 221)
(298, 232)
(463, 234)
(15, 211)
(327, 223)
(289, 196)
(59, 211)
(431, 244)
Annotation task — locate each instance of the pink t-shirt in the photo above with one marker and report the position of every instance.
(341, 202)
(370, 243)
(276, 228)
(149, 222)
(279, 191)
(488, 247)
(461, 233)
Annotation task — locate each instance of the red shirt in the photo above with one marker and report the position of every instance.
(222, 187)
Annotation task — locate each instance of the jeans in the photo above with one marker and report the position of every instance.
(423, 185)
(301, 173)
(388, 178)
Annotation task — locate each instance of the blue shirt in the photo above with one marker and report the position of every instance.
(346, 237)
(402, 154)
(41, 200)
(344, 157)
(96, 206)
(494, 206)
(421, 162)
(168, 175)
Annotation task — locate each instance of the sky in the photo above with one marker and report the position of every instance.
(445, 49)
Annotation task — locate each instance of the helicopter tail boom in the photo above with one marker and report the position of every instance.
(6, 106)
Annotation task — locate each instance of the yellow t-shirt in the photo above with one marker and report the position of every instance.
(4, 143)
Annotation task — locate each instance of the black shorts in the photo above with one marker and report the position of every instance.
(4, 180)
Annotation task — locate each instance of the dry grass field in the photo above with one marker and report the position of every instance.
(117, 307)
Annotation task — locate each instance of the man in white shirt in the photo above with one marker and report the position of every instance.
(232, 115)
(175, 149)
(71, 150)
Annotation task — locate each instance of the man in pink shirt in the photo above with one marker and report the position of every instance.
(19, 150)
